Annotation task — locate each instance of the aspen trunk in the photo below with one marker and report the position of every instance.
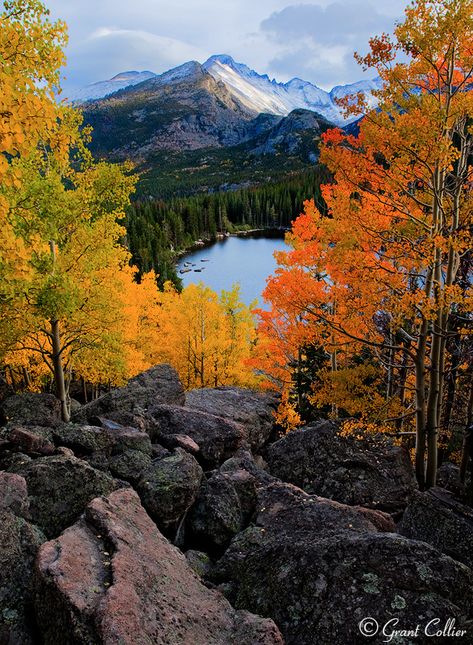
(58, 368)
(467, 450)
(59, 379)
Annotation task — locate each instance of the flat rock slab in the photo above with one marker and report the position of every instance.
(113, 578)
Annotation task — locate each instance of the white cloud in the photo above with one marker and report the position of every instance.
(313, 40)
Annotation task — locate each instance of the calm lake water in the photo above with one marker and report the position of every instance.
(245, 260)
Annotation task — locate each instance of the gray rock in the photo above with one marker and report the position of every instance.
(253, 410)
(199, 562)
(375, 474)
(437, 518)
(30, 409)
(152, 597)
(59, 489)
(217, 438)
(169, 487)
(318, 588)
(85, 440)
(19, 542)
(216, 515)
(159, 384)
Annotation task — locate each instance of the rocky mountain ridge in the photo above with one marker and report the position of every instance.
(161, 516)
(257, 92)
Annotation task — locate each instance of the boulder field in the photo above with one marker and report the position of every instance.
(160, 517)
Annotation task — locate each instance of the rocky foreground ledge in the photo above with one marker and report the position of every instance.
(157, 517)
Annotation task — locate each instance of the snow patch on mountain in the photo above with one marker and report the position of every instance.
(105, 88)
(259, 93)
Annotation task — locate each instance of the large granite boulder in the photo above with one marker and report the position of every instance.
(169, 487)
(160, 384)
(31, 409)
(19, 542)
(110, 439)
(318, 586)
(59, 488)
(113, 578)
(372, 473)
(217, 438)
(437, 518)
(252, 410)
(216, 515)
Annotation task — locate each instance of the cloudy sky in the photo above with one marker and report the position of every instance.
(314, 40)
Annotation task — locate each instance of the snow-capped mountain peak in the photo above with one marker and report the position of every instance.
(104, 88)
(257, 92)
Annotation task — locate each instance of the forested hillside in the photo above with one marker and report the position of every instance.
(157, 230)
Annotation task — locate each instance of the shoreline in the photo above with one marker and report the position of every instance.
(276, 232)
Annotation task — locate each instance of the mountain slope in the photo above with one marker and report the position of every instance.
(182, 109)
(255, 92)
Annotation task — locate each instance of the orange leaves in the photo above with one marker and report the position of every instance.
(378, 278)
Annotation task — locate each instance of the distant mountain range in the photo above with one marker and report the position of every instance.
(206, 127)
(255, 91)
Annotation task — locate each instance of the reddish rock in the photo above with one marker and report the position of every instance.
(113, 578)
(31, 441)
(14, 494)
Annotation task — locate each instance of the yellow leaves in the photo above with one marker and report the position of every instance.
(286, 416)
(207, 338)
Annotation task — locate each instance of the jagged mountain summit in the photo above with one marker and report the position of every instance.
(260, 93)
(255, 92)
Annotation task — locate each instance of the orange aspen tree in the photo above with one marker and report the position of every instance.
(381, 272)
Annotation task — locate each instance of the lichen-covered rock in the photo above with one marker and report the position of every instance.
(216, 515)
(108, 439)
(30, 409)
(316, 458)
(160, 384)
(153, 597)
(437, 518)
(246, 477)
(218, 438)
(129, 465)
(199, 562)
(169, 487)
(317, 588)
(252, 410)
(59, 488)
(19, 542)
